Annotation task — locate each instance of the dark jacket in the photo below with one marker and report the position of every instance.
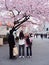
(11, 40)
(28, 41)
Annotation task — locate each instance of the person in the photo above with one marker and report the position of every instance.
(28, 47)
(42, 36)
(21, 44)
(11, 42)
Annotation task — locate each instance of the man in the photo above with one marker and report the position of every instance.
(11, 42)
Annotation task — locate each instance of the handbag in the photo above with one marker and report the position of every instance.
(15, 51)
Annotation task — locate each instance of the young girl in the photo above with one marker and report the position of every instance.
(28, 47)
(21, 45)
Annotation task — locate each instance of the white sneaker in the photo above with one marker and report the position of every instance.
(27, 56)
(30, 56)
(22, 56)
(19, 56)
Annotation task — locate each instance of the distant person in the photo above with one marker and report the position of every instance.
(21, 44)
(45, 35)
(42, 36)
(28, 47)
(11, 42)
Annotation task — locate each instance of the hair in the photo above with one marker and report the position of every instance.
(28, 40)
(21, 35)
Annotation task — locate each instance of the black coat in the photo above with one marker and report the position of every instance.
(11, 40)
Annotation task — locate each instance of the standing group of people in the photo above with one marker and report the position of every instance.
(41, 35)
(23, 41)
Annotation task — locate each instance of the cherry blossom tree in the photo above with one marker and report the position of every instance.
(14, 9)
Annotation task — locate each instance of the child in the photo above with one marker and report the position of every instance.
(28, 47)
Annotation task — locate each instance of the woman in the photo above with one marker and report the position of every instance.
(21, 44)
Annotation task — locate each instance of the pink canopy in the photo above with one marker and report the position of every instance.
(39, 9)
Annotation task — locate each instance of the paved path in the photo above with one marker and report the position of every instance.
(40, 55)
